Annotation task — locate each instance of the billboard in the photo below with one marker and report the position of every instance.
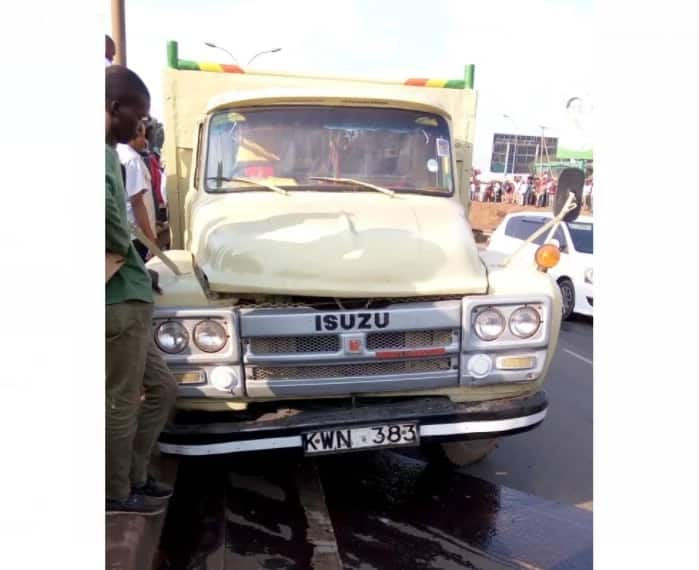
(522, 152)
(576, 138)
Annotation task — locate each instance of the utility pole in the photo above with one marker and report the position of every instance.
(119, 31)
(507, 158)
(514, 161)
(543, 149)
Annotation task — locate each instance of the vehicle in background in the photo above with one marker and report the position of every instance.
(573, 273)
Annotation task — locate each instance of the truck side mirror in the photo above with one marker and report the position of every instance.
(570, 180)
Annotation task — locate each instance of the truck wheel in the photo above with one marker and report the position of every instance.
(567, 296)
(458, 453)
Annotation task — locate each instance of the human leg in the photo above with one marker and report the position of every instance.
(127, 328)
(159, 397)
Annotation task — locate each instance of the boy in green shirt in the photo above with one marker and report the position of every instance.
(134, 367)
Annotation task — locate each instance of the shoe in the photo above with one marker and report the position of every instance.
(134, 504)
(153, 489)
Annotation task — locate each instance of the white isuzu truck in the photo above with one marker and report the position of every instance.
(324, 290)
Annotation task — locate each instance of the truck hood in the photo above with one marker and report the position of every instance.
(335, 244)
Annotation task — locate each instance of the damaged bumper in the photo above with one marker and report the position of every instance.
(437, 419)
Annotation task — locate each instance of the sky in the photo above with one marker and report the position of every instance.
(531, 56)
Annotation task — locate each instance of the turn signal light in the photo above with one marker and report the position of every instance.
(547, 256)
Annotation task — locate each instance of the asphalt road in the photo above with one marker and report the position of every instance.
(554, 461)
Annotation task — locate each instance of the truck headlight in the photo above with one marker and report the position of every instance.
(524, 322)
(209, 336)
(171, 337)
(489, 324)
(588, 275)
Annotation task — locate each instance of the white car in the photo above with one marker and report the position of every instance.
(573, 272)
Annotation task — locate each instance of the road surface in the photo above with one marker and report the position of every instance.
(554, 460)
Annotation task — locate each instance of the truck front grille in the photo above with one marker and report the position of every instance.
(347, 370)
(330, 343)
(295, 344)
(409, 339)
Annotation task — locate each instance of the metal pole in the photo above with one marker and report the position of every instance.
(507, 157)
(514, 159)
(119, 31)
(541, 157)
(469, 75)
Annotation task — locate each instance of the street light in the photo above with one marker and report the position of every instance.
(275, 50)
(213, 45)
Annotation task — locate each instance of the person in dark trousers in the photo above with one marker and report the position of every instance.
(140, 390)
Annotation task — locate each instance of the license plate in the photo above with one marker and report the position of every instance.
(336, 440)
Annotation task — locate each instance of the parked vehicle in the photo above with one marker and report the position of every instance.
(327, 293)
(574, 272)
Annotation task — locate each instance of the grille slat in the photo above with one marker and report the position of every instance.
(317, 344)
(295, 344)
(348, 370)
(409, 339)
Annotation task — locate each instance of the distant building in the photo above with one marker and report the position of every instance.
(524, 150)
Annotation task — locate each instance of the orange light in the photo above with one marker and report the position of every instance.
(547, 256)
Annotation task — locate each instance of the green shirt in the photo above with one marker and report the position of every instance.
(131, 282)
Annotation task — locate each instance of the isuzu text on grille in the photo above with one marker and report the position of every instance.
(351, 321)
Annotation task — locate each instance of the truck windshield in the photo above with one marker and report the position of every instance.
(402, 150)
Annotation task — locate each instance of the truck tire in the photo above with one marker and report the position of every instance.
(458, 453)
(567, 296)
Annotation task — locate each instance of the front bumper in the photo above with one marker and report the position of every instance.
(438, 419)
(583, 292)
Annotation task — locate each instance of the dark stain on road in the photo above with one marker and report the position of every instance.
(392, 511)
(387, 510)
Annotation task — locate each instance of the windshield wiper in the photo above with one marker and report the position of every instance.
(355, 182)
(250, 181)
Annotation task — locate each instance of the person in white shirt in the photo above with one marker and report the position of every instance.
(140, 205)
(522, 192)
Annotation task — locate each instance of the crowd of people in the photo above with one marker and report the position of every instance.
(140, 389)
(533, 190)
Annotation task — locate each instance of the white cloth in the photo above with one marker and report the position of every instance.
(137, 180)
(587, 189)
(163, 186)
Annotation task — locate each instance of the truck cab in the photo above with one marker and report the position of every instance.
(326, 292)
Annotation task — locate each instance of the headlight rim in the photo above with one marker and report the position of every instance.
(187, 336)
(206, 322)
(524, 308)
(502, 318)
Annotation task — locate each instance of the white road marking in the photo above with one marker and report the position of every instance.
(576, 355)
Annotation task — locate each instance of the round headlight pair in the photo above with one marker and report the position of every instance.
(490, 323)
(172, 336)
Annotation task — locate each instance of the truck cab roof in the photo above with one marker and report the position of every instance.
(374, 96)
